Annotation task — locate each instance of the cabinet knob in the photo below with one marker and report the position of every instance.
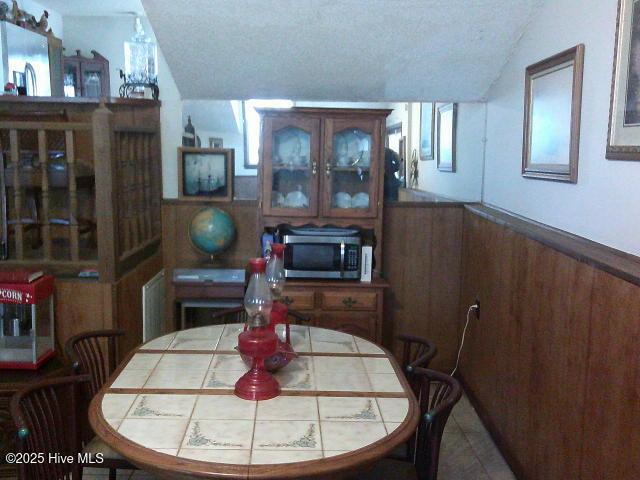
(287, 300)
(327, 169)
(349, 302)
(314, 168)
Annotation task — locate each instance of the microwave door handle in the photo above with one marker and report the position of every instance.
(342, 248)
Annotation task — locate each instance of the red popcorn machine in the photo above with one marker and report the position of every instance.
(26, 323)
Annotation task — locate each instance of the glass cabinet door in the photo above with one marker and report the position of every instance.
(350, 168)
(290, 156)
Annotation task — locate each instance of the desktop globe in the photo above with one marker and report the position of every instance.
(211, 231)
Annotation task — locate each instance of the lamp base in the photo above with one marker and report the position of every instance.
(257, 384)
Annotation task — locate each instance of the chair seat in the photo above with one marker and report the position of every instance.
(96, 445)
(389, 469)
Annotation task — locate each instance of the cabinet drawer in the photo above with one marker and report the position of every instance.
(298, 299)
(360, 324)
(341, 300)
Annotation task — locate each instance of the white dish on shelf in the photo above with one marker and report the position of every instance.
(342, 200)
(360, 200)
(296, 199)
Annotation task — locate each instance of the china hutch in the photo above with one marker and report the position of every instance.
(86, 77)
(325, 167)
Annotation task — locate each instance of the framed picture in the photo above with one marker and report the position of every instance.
(215, 142)
(447, 119)
(205, 174)
(623, 139)
(427, 117)
(552, 104)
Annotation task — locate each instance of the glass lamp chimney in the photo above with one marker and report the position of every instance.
(141, 57)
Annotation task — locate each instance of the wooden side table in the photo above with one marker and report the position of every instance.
(10, 382)
(207, 288)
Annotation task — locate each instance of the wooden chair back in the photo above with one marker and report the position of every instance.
(438, 394)
(94, 353)
(46, 415)
(416, 352)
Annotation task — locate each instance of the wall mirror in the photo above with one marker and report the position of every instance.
(553, 96)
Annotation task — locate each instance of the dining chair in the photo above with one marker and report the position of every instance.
(46, 414)
(416, 352)
(95, 354)
(438, 395)
(239, 315)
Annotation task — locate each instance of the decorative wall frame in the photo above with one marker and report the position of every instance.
(447, 125)
(623, 137)
(552, 110)
(427, 130)
(205, 174)
(216, 142)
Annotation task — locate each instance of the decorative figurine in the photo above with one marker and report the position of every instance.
(4, 9)
(413, 173)
(18, 16)
(43, 24)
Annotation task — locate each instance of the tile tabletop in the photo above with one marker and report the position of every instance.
(174, 397)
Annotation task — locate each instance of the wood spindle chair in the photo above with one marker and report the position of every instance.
(47, 417)
(438, 395)
(95, 354)
(416, 352)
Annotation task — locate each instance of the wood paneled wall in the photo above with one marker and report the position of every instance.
(553, 362)
(422, 262)
(179, 253)
(83, 304)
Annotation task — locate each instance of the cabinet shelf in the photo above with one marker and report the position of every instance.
(351, 169)
(280, 168)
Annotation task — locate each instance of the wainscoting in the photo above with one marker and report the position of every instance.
(422, 262)
(552, 364)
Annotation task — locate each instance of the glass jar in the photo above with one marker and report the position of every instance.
(258, 301)
(275, 270)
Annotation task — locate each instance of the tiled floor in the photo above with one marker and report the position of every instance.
(468, 453)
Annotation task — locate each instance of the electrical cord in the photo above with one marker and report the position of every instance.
(464, 332)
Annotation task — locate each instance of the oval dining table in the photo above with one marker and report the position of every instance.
(170, 408)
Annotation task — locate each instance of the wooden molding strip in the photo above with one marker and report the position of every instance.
(602, 257)
(229, 391)
(235, 352)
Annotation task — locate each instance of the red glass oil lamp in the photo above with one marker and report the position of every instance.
(275, 279)
(259, 341)
(280, 312)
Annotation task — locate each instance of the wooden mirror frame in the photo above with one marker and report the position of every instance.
(573, 55)
(454, 126)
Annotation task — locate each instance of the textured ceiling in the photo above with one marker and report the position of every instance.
(365, 50)
(93, 7)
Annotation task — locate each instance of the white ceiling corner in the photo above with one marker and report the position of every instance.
(351, 50)
(93, 8)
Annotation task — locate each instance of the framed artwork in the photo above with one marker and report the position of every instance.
(215, 142)
(552, 104)
(427, 117)
(623, 139)
(205, 174)
(447, 119)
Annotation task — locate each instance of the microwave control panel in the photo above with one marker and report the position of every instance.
(351, 258)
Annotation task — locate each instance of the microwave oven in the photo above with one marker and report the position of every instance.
(331, 253)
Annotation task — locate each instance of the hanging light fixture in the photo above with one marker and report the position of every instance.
(141, 65)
